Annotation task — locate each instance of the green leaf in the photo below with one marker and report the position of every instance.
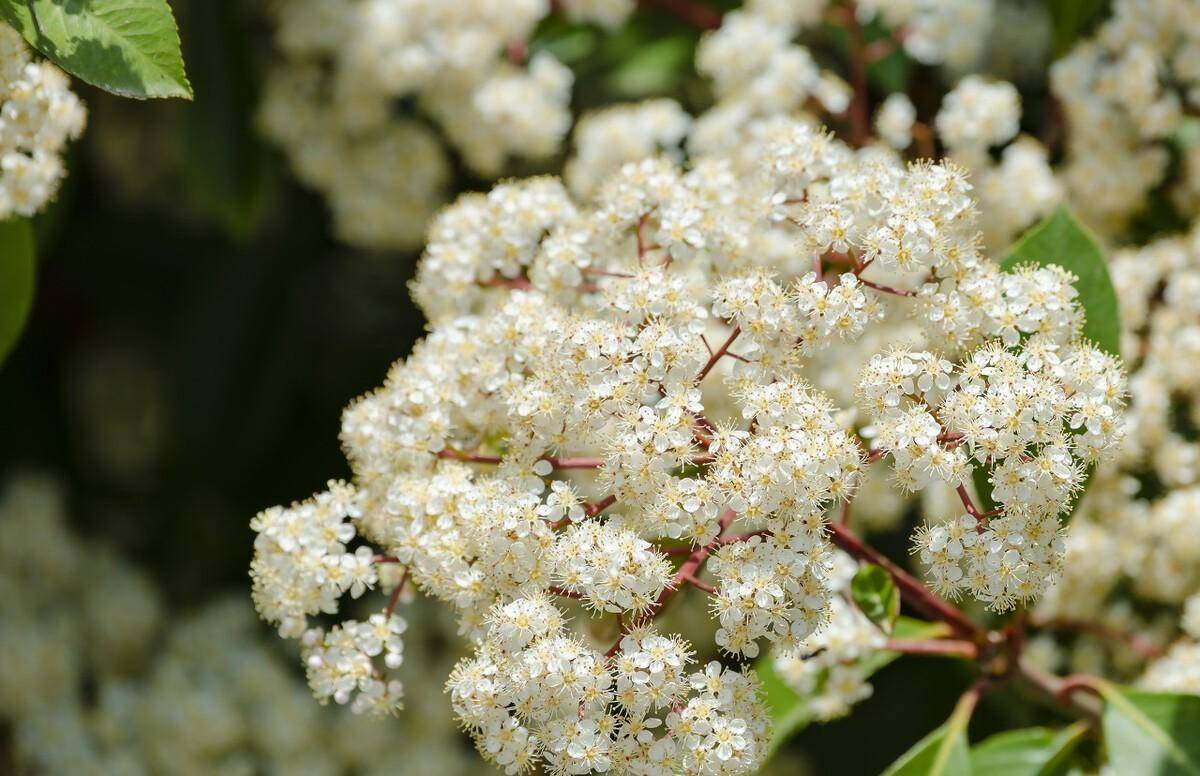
(1027, 752)
(127, 47)
(983, 489)
(655, 68)
(790, 713)
(1150, 733)
(17, 264)
(943, 752)
(1187, 133)
(876, 596)
(1071, 19)
(1060, 239)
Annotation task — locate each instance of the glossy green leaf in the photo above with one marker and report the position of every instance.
(983, 489)
(655, 68)
(127, 47)
(17, 265)
(876, 596)
(1149, 733)
(1027, 752)
(790, 713)
(1072, 19)
(1060, 239)
(943, 752)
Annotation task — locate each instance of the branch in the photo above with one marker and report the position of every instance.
(716, 356)
(395, 599)
(601, 505)
(691, 580)
(885, 289)
(688, 569)
(555, 461)
(916, 594)
(939, 647)
(1134, 641)
(1055, 691)
(859, 110)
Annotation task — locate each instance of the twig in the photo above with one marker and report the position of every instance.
(716, 356)
(911, 589)
(395, 599)
(691, 580)
(555, 461)
(859, 110)
(1134, 641)
(885, 289)
(942, 647)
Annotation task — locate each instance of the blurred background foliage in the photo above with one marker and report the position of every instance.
(196, 330)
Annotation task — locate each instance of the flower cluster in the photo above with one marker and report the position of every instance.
(1036, 416)
(38, 115)
(614, 399)
(100, 677)
(758, 70)
(533, 693)
(607, 138)
(341, 663)
(344, 64)
(1017, 188)
(1123, 92)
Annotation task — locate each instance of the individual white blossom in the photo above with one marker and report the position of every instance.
(894, 121)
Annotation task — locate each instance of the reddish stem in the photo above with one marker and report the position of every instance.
(1054, 690)
(597, 507)
(1069, 685)
(967, 503)
(1134, 641)
(944, 647)
(395, 599)
(517, 51)
(911, 589)
(555, 461)
(716, 356)
(859, 111)
(885, 289)
(575, 463)
(691, 580)
(562, 591)
(879, 49)
(688, 569)
(735, 538)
